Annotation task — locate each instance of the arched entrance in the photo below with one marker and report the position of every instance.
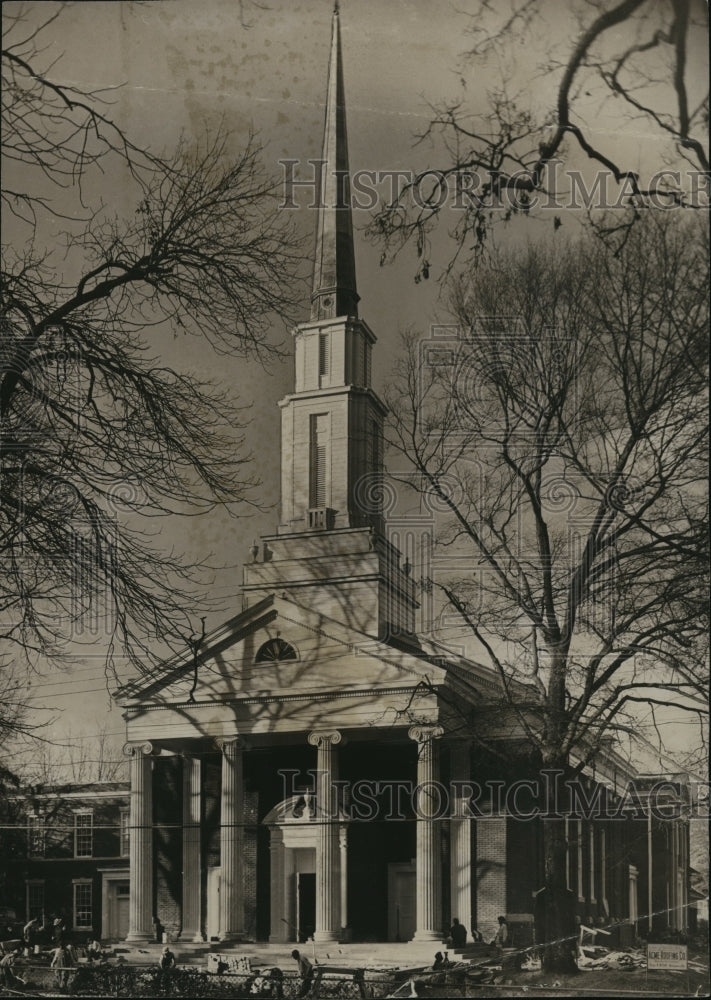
(293, 830)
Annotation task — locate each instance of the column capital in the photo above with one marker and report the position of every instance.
(425, 731)
(324, 738)
(134, 749)
(231, 743)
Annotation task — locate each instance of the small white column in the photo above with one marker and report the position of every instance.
(328, 908)
(428, 861)
(140, 909)
(460, 856)
(232, 840)
(343, 844)
(191, 910)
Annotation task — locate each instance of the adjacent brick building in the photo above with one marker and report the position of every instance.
(65, 854)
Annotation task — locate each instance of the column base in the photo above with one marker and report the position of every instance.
(138, 937)
(426, 936)
(326, 937)
(195, 937)
(236, 936)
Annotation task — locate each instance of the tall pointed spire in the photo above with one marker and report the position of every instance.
(334, 287)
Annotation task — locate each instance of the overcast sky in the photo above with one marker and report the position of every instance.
(179, 65)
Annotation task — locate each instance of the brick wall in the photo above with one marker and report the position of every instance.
(490, 873)
(167, 799)
(249, 870)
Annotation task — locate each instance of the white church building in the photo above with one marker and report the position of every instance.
(272, 775)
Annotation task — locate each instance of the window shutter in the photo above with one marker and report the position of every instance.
(323, 355)
(319, 484)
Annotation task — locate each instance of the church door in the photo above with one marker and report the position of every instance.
(402, 901)
(305, 904)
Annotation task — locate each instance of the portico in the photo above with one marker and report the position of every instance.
(324, 831)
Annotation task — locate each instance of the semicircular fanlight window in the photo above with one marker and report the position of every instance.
(275, 650)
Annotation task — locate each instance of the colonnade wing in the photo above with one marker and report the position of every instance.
(280, 667)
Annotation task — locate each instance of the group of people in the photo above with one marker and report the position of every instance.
(458, 934)
(63, 955)
(458, 938)
(268, 984)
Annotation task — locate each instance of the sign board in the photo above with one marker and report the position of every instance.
(667, 956)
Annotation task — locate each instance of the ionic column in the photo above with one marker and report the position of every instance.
(231, 840)
(191, 912)
(140, 907)
(328, 910)
(428, 861)
(460, 860)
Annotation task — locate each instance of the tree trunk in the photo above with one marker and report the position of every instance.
(555, 904)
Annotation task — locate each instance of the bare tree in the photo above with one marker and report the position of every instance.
(636, 60)
(98, 432)
(90, 757)
(563, 431)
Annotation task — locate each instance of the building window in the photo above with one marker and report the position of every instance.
(567, 853)
(82, 906)
(275, 650)
(83, 834)
(603, 868)
(581, 888)
(124, 833)
(319, 461)
(34, 899)
(35, 835)
(324, 355)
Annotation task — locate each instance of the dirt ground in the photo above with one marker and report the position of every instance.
(604, 982)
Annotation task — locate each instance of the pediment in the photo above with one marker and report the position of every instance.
(240, 660)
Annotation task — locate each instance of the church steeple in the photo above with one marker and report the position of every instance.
(331, 551)
(334, 280)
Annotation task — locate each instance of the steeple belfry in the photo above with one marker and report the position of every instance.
(334, 281)
(331, 550)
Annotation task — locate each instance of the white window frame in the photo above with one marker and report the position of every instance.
(82, 831)
(30, 884)
(124, 832)
(80, 883)
(36, 832)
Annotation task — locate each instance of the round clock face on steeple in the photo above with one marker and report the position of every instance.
(275, 650)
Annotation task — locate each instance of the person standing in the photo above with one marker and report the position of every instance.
(58, 930)
(167, 959)
(62, 961)
(306, 971)
(7, 968)
(502, 935)
(29, 935)
(458, 934)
